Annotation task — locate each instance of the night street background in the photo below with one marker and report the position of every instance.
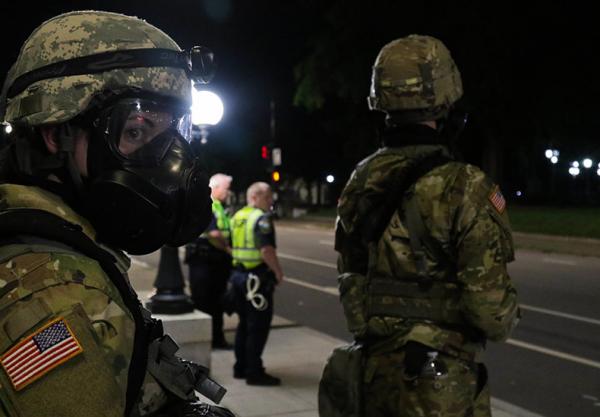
(295, 75)
(528, 72)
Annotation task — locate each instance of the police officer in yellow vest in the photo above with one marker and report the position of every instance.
(99, 163)
(256, 271)
(209, 258)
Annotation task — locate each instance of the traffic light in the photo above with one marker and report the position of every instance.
(264, 152)
(275, 176)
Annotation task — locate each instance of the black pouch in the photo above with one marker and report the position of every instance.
(340, 389)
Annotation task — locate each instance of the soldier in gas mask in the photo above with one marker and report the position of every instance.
(99, 163)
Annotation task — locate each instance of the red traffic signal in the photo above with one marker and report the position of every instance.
(264, 152)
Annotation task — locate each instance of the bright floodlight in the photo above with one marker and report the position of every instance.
(8, 128)
(587, 163)
(548, 153)
(575, 164)
(574, 171)
(554, 159)
(207, 108)
(598, 172)
(330, 179)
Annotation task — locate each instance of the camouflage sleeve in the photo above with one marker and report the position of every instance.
(483, 247)
(66, 312)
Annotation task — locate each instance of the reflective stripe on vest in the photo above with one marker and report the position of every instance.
(244, 250)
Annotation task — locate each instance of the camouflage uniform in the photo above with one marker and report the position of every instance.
(74, 338)
(46, 283)
(459, 297)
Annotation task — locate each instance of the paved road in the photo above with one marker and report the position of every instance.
(550, 366)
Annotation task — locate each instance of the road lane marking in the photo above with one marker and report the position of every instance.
(307, 260)
(555, 353)
(558, 261)
(523, 306)
(560, 314)
(326, 242)
(138, 262)
(322, 288)
(514, 342)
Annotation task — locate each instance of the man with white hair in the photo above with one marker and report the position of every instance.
(256, 271)
(209, 258)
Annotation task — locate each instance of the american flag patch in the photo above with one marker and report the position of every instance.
(497, 200)
(39, 353)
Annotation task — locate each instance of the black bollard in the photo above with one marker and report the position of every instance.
(169, 297)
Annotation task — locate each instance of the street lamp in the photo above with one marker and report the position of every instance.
(330, 179)
(170, 298)
(8, 128)
(587, 163)
(207, 110)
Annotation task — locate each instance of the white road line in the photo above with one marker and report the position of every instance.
(560, 314)
(555, 353)
(558, 261)
(327, 290)
(326, 242)
(140, 263)
(523, 306)
(514, 342)
(306, 260)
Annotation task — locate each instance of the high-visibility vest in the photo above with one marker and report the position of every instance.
(223, 222)
(243, 246)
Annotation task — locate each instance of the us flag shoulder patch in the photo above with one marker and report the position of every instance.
(497, 200)
(50, 346)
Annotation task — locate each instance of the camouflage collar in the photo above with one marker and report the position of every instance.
(22, 196)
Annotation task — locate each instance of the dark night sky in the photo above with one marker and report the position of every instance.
(530, 71)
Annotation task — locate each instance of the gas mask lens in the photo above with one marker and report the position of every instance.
(143, 130)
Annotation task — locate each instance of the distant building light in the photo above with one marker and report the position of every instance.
(548, 153)
(587, 163)
(330, 179)
(8, 128)
(574, 171)
(519, 193)
(575, 164)
(555, 152)
(554, 159)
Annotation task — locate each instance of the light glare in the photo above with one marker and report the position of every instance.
(207, 108)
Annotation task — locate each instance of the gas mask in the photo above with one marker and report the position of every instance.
(145, 187)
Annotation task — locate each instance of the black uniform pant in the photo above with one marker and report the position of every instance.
(208, 281)
(254, 324)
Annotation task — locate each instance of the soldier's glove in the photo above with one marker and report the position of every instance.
(197, 409)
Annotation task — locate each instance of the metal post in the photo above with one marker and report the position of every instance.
(169, 284)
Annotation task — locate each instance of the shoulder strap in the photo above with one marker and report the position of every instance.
(373, 228)
(33, 222)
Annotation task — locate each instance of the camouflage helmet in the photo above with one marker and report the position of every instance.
(415, 78)
(80, 34)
